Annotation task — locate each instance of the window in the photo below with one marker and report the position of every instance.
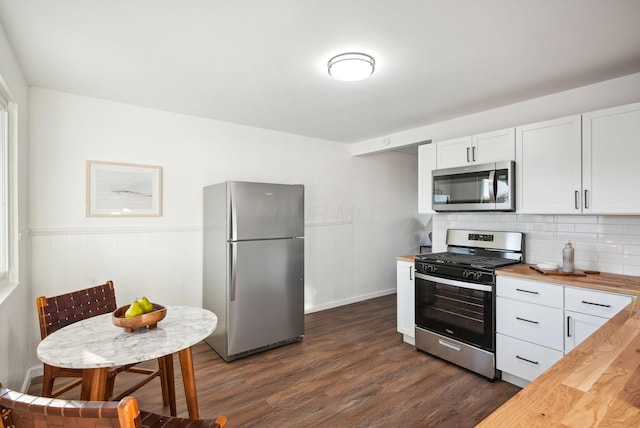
(6, 117)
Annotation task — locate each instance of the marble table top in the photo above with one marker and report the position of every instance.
(96, 342)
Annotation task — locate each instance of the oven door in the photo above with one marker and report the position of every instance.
(456, 309)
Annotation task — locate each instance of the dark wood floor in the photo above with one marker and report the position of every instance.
(351, 370)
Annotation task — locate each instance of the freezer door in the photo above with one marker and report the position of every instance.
(267, 293)
(265, 211)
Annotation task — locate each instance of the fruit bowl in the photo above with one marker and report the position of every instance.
(150, 319)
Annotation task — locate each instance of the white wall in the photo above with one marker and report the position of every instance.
(358, 210)
(603, 243)
(614, 92)
(16, 305)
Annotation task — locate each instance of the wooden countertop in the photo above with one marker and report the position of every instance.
(410, 258)
(615, 283)
(595, 385)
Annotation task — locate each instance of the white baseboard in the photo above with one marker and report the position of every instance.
(354, 299)
(34, 371)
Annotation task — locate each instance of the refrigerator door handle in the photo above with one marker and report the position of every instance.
(234, 257)
(234, 215)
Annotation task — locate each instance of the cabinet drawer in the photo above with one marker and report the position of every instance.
(537, 324)
(523, 359)
(540, 293)
(596, 303)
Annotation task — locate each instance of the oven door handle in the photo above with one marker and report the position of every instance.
(453, 283)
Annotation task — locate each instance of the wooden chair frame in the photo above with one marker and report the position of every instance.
(59, 311)
(27, 411)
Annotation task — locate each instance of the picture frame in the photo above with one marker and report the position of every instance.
(123, 190)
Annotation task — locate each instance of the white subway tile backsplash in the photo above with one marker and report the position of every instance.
(576, 219)
(633, 250)
(604, 243)
(631, 229)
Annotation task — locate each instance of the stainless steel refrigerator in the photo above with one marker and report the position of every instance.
(254, 265)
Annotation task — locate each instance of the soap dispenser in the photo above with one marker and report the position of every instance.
(567, 257)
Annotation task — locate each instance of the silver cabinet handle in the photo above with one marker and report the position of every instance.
(568, 326)
(596, 304)
(586, 199)
(526, 320)
(411, 273)
(527, 291)
(473, 154)
(468, 160)
(577, 196)
(528, 361)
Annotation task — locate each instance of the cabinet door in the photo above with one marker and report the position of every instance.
(533, 323)
(611, 150)
(523, 359)
(578, 327)
(406, 299)
(426, 165)
(455, 152)
(494, 146)
(549, 167)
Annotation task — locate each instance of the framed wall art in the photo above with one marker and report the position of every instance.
(123, 190)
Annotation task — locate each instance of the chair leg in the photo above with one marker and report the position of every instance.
(47, 381)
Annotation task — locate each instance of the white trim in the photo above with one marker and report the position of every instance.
(355, 299)
(114, 230)
(32, 372)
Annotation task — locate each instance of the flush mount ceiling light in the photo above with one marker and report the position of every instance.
(352, 66)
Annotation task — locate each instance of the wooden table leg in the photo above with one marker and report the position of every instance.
(95, 380)
(189, 380)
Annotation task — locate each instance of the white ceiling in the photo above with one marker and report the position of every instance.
(263, 62)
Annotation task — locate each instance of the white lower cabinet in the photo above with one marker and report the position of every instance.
(523, 359)
(406, 301)
(538, 322)
(587, 310)
(578, 327)
(529, 333)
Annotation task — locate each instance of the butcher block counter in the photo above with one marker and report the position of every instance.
(625, 284)
(595, 385)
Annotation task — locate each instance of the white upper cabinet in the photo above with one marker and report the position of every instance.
(455, 152)
(426, 164)
(548, 167)
(489, 147)
(611, 157)
(495, 146)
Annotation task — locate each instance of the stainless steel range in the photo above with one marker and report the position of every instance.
(455, 299)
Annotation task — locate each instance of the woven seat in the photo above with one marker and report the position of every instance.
(28, 411)
(57, 312)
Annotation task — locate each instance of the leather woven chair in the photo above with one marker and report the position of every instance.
(57, 312)
(27, 411)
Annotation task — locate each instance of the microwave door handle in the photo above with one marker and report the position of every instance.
(493, 186)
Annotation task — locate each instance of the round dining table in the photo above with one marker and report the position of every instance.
(96, 344)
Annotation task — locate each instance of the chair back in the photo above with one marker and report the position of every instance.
(59, 311)
(28, 411)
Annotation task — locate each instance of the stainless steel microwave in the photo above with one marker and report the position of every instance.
(485, 187)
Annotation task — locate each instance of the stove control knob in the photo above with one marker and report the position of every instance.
(432, 269)
(466, 274)
(477, 275)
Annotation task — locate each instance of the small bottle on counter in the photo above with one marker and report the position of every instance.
(567, 257)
